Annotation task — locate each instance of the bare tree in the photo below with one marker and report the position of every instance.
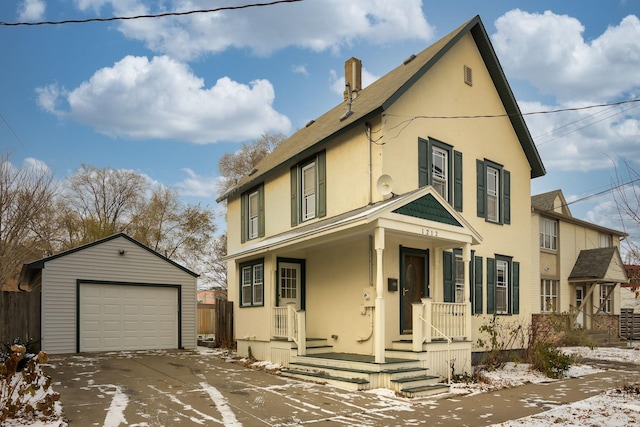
(103, 200)
(627, 199)
(26, 198)
(234, 166)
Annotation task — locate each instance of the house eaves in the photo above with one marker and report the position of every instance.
(379, 96)
(575, 221)
(594, 265)
(386, 211)
(40, 264)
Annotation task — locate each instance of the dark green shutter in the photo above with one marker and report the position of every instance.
(294, 196)
(506, 201)
(515, 289)
(447, 269)
(477, 285)
(491, 285)
(457, 181)
(243, 218)
(471, 278)
(481, 178)
(321, 172)
(423, 162)
(261, 211)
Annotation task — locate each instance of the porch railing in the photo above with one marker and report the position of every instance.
(448, 320)
(289, 323)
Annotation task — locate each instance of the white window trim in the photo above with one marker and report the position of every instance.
(502, 286)
(253, 214)
(308, 199)
(459, 278)
(608, 306)
(493, 196)
(442, 178)
(252, 284)
(549, 295)
(548, 229)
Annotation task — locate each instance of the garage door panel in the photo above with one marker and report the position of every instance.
(121, 317)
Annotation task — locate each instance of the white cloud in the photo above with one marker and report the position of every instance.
(318, 25)
(31, 10)
(300, 69)
(163, 99)
(549, 51)
(198, 186)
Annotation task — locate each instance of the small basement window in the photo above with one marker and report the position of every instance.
(468, 76)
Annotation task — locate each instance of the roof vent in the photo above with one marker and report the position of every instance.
(468, 75)
(409, 59)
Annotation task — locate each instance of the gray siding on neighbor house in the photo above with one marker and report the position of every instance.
(103, 263)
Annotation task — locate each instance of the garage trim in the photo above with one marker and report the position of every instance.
(109, 282)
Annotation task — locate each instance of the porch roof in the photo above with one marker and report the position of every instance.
(601, 265)
(411, 213)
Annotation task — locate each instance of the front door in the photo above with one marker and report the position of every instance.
(579, 301)
(289, 284)
(414, 284)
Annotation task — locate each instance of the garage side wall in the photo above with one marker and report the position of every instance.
(104, 263)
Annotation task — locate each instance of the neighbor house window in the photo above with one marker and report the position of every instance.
(252, 216)
(549, 295)
(441, 167)
(605, 298)
(503, 285)
(548, 234)
(308, 189)
(252, 283)
(606, 240)
(493, 192)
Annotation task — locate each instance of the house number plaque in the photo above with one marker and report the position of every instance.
(429, 232)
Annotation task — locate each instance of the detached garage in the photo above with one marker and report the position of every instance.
(111, 295)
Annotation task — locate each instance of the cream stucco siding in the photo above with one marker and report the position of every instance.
(102, 263)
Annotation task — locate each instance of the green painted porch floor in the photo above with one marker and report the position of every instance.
(350, 357)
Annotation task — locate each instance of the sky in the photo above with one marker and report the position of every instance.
(166, 97)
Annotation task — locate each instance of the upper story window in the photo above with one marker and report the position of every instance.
(548, 234)
(606, 240)
(252, 283)
(308, 189)
(440, 166)
(252, 214)
(493, 192)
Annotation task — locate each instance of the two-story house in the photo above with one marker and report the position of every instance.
(579, 265)
(391, 227)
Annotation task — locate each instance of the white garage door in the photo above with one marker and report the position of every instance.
(123, 317)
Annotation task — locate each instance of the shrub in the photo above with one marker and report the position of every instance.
(25, 391)
(549, 360)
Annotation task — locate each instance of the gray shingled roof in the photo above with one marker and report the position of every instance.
(593, 263)
(544, 201)
(378, 96)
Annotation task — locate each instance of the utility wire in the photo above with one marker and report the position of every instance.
(158, 15)
(11, 129)
(599, 193)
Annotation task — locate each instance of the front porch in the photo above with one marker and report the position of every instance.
(421, 365)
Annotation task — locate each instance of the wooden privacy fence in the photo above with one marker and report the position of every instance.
(224, 324)
(629, 324)
(20, 317)
(206, 319)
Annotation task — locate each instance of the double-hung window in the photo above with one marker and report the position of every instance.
(548, 234)
(308, 189)
(503, 285)
(548, 295)
(252, 215)
(252, 283)
(453, 276)
(606, 240)
(459, 291)
(493, 192)
(605, 298)
(440, 166)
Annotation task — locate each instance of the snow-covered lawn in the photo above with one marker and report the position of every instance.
(616, 407)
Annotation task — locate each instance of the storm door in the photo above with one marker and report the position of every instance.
(289, 284)
(414, 284)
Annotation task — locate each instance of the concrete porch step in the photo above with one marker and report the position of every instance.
(426, 390)
(356, 384)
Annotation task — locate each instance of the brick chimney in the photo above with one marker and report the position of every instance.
(353, 76)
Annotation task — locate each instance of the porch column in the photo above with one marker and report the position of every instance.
(466, 258)
(379, 323)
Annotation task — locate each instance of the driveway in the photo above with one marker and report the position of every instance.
(168, 388)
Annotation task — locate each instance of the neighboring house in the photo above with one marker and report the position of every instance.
(579, 265)
(630, 291)
(209, 296)
(113, 294)
(377, 232)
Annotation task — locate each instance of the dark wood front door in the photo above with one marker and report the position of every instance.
(414, 284)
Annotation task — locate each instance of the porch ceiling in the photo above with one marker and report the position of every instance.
(420, 213)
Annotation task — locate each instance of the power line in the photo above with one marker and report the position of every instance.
(599, 193)
(158, 15)
(11, 129)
